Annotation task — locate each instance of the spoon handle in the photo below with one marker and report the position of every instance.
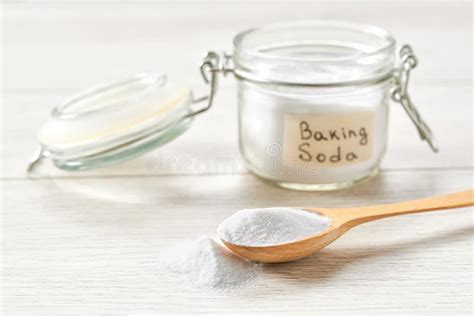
(361, 215)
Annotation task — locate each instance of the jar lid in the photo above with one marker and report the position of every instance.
(116, 122)
(122, 120)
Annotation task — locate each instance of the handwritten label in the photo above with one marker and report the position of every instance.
(330, 140)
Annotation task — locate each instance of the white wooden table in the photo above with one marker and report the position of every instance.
(88, 243)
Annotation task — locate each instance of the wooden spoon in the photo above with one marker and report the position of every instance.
(343, 219)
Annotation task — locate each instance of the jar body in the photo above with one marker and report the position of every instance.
(313, 156)
(313, 101)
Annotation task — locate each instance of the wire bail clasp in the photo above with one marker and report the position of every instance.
(212, 64)
(400, 95)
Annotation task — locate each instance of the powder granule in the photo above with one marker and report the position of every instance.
(271, 226)
(204, 263)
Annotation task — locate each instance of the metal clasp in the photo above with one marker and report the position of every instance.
(212, 64)
(400, 95)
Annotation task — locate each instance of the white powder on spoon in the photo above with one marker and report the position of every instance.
(271, 226)
(204, 263)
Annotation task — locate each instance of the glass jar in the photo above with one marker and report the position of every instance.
(313, 103)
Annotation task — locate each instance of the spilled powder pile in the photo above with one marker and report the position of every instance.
(204, 263)
(271, 226)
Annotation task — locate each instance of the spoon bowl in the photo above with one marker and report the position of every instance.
(343, 219)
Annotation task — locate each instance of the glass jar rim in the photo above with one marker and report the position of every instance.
(362, 28)
(314, 53)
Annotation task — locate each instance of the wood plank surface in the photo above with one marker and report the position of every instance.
(93, 245)
(89, 243)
